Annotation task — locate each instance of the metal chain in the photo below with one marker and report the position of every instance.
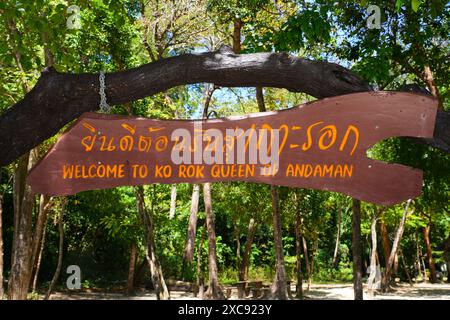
(104, 107)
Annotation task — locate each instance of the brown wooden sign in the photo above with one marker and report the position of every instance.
(319, 145)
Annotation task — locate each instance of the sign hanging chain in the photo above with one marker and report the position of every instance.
(104, 107)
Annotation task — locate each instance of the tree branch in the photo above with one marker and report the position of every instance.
(59, 98)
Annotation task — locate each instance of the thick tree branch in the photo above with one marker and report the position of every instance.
(60, 98)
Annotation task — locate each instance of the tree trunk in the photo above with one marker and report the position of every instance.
(373, 257)
(447, 257)
(387, 274)
(238, 243)
(430, 260)
(357, 250)
(173, 201)
(245, 263)
(307, 265)
(429, 79)
(424, 268)
(278, 288)
(131, 269)
(395, 267)
(298, 253)
(162, 293)
(386, 243)
(60, 249)
(190, 239)
(200, 277)
(38, 237)
(260, 99)
(2, 290)
(22, 238)
(237, 27)
(38, 264)
(338, 238)
(313, 258)
(214, 290)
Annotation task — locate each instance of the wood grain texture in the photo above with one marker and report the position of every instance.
(312, 135)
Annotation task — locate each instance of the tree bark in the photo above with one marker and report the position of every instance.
(338, 238)
(200, 277)
(395, 267)
(38, 264)
(429, 79)
(279, 287)
(237, 236)
(260, 99)
(60, 249)
(162, 293)
(131, 269)
(214, 290)
(398, 235)
(22, 238)
(298, 253)
(237, 27)
(373, 256)
(430, 260)
(245, 263)
(173, 201)
(38, 237)
(386, 243)
(357, 250)
(447, 257)
(313, 258)
(307, 265)
(190, 239)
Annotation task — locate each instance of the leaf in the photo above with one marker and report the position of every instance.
(398, 5)
(415, 5)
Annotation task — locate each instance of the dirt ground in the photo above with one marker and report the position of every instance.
(316, 292)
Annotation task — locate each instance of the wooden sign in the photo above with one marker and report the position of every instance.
(319, 145)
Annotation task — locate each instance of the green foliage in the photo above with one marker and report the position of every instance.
(117, 35)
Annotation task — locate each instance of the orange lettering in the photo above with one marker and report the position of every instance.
(67, 172)
(307, 145)
(330, 133)
(355, 131)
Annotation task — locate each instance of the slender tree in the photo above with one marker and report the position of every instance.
(398, 236)
(55, 278)
(161, 290)
(430, 260)
(338, 237)
(192, 226)
(357, 250)
(131, 269)
(373, 256)
(214, 289)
